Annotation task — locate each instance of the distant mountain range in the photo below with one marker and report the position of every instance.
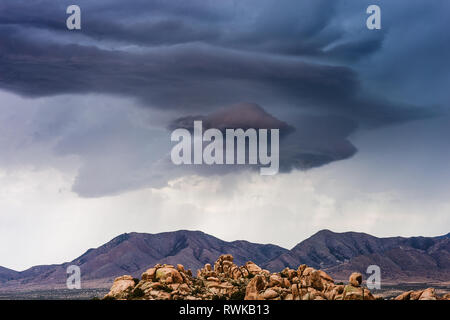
(416, 259)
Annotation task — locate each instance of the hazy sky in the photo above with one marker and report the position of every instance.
(84, 118)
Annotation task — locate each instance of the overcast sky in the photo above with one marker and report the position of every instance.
(85, 119)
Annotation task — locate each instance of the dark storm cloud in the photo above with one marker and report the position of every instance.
(310, 63)
(188, 77)
(184, 69)
(306, 142)
(293, 27)
(243, 115)
(138, 21)
(317, 141)
(356, 49)
(219, 54)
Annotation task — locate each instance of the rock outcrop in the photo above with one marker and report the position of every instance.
(427, 294)
(121, 288)
(228, 281)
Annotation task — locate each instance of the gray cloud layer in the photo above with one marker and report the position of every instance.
(190, 78)
(308, 62)
(311, 141)
(194, 72)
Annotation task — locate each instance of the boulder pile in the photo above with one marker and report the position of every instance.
(227, 281)
(427, 294)
(305, 283)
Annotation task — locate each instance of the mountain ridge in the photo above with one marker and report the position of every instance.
(6, 274)
(134, 252)
(400, 258)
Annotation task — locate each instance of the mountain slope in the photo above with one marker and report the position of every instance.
(7, 274)
(402, 264)
(400, 259)
(133, 253)
(327, 248)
